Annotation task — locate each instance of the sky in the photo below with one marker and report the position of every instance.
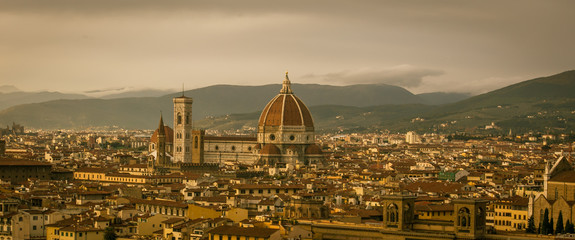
(101, 46)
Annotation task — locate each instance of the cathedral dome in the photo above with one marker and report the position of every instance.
(286, 109)
(169, 135)
(270, 149)
(313, 150)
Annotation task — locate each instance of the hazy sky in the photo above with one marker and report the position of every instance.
(424, 46)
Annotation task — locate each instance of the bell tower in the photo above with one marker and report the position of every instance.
(183, 129)
(398, 212)
(469, 218)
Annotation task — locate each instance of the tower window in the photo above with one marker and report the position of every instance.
(233, 148)
(196, 142)
(188, 118)
(179, 118)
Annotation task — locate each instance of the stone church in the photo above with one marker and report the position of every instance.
(558, 194)
(285, 138)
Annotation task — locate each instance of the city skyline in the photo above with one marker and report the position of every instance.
(450, 46)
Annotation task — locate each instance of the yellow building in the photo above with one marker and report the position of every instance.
(148, 224)
(266, 190)
(511, 214)
(77, 232)
(240, 233)
(103, 175)
(170, 208)
(235, 214)
(435, 212)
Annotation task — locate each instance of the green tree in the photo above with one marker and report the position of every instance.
(550, 227)
(531, 225)
(545, 224)
(110, 234)
(559, 227)
(569, 228)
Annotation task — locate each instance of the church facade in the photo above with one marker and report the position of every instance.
(285, 138)
(558, 195)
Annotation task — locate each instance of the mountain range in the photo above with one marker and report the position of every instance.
(542, 104)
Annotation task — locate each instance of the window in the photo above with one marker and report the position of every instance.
(179, 118)
(392, 213)
(79, 234)
(34, 227)
(463, 217)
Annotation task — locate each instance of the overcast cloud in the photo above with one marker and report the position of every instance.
(424, 46)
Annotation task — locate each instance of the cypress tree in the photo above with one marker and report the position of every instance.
(569, 228)
(545, 223)
(531, 225)
(550, 227)
(559, 227)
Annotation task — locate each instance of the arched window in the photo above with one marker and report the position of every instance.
(179, 118)
(196, 142)
(392, 213)
(463, 218)
(188, 118)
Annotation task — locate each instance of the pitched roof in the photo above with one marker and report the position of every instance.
(240, 231)
(567, 176)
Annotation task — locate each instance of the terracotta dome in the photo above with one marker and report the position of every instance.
(169, 135)
(258, 146)
(286, 109)
(270, 149)
(313, 150)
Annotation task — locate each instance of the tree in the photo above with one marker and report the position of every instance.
(550, 227)
(569, 228)
(110, 234)
(545, 224)
(531, 225)
(559, 227)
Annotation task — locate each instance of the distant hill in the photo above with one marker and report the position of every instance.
(8, 99)
(332, 118)
(8, 89)
(85, 113)
(209, 101)
(544, 104)
(138, 93)
(440, 98)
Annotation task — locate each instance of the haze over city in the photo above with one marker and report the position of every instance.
(93, 47)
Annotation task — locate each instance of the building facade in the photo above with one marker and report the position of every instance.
(183, 129)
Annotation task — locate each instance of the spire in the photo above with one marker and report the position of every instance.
(161, 126)
(183, 90)
(286, 86)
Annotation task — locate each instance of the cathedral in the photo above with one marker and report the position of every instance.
(558, 196)
(285, 138)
